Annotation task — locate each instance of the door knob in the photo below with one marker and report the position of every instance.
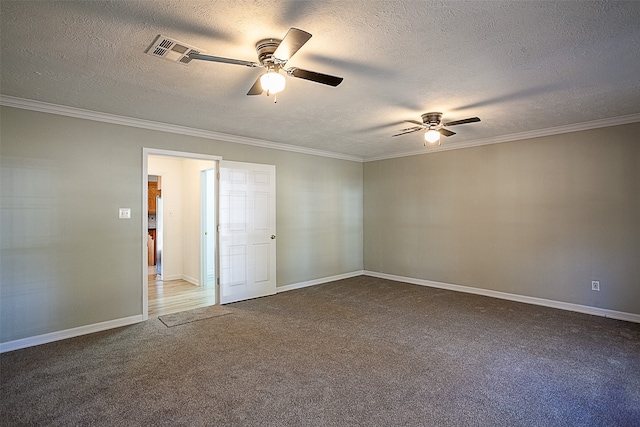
(273, 236)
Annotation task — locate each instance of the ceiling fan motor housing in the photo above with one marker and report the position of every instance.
(265, 49)
(432, 119)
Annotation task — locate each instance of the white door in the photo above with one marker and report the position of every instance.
(247, 231)
(208, 227)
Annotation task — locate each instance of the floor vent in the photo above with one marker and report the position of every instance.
(173, 50)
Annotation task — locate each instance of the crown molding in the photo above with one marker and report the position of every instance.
(557, 130)
(44, 107)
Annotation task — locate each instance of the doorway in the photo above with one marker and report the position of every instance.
(218, 221)
(177, 282)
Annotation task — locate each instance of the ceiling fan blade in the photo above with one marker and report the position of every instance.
(446, 132)
(413, 127)
(211, 58)
(256, 89)
(416, 129)
(463, 121)
(292, 41)
(415, 122)
(315, 77)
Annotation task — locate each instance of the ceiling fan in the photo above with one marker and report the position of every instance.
(432, 122)
(273, 55)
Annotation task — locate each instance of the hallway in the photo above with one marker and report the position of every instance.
(176, 295)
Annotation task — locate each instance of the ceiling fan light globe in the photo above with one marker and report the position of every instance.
(272, 82)
(432, 136)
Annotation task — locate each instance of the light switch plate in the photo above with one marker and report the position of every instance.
(124, 213)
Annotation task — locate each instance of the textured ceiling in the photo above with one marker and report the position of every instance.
(521, 66)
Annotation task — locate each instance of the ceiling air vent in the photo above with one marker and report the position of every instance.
(173, 50)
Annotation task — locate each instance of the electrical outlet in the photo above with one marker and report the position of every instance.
(595, 285)
(124, 213)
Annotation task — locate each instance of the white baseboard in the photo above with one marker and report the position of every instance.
(191, 280)
(318, 281)
(97, 327)
(102, 326)
(68, 333)
(619, 315)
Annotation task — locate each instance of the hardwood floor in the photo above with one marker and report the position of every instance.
(176, 295)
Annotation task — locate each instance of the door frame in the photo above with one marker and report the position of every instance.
(146, 152)
(208, 229)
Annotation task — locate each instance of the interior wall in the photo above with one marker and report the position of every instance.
(67, 260)
(540, 217)
(191, 190)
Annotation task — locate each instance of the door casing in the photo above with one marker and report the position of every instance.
(146, 152)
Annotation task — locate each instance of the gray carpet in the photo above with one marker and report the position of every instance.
(190, 316)
(361, 351)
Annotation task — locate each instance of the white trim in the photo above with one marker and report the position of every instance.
(557, 130)
(167, 278)
(68, 333)
(318, 281)
(619, 315)
(145, 234)
(98, 327)
(191, 280)
(79, 113)
(180, 154)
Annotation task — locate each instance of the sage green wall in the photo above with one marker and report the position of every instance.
(68, 261)
(540, 217)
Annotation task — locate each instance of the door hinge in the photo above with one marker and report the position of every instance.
(218, 228)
